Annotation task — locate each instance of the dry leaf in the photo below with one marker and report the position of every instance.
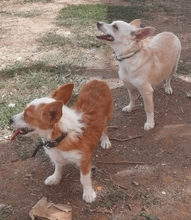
(48, 210)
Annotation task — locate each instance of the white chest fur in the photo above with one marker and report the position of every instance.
(64, 157)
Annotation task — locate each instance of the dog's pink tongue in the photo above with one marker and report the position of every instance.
(15, 133)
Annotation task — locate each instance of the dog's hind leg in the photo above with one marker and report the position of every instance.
(89, 194)
(167, 85)
(132, 98)
(147, 94)
(105, 142)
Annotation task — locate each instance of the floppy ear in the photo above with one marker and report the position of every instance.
(136, 23)
(52, 112)
(142, 33)
(63, 93)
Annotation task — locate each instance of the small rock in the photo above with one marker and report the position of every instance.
(19, 58)
(188, 94)
(1, 206)
(135, 183)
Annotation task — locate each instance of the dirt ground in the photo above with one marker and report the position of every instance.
(154, 182)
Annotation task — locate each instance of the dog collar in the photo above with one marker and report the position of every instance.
(49, 144)
(121, 58)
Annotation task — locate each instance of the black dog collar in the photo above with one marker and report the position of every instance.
(49, 144)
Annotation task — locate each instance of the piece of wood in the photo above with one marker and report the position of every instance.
(126, 139)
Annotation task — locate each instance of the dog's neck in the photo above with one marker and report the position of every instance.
(70, 122)
(127, 51)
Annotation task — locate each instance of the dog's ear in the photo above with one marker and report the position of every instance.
(52, 112)
(142, 33)
(136, 23)
(63, 93)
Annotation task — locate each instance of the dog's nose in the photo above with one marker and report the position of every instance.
(10, 121)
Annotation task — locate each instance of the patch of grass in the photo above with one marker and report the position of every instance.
(5, 212)
(183, 68)
(20, 68)
(147, 199)
(148, 216)
(25, 147)
(52, 39)
(135, 217)
(87, 42)
(150, 6)
(158, 7)
(109, 199)
(84, 15)
(28, 14)
(23, 153)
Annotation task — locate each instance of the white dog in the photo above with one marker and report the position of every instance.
(140, 65)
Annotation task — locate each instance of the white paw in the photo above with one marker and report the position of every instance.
(148, 126)
(52, 180)
(168, 90)
(89, 195)
(127, 108)
(105, 142)
(106, 145)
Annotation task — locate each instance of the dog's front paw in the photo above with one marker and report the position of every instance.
(127, 108)
(89, 195)
(148, 126)
(52, 180)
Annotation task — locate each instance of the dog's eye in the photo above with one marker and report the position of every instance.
(115, 27)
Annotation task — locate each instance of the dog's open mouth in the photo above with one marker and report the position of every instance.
(21, 131)
(105, 37)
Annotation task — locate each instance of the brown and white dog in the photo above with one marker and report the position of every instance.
(85, 124)
(142, 66)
